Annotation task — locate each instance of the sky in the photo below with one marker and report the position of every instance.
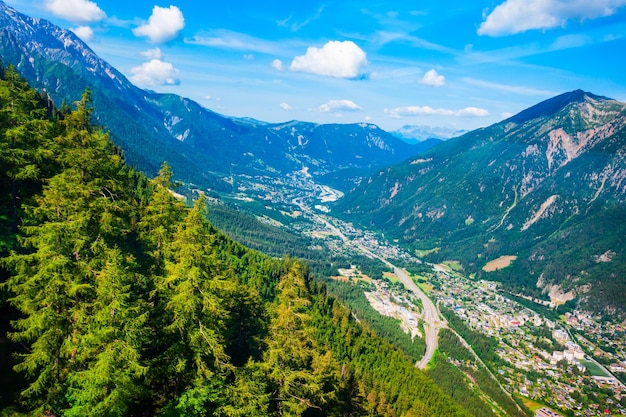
(455, 64)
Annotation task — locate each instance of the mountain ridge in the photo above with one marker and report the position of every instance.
(525, 189)
(203, 147)
(552, 105)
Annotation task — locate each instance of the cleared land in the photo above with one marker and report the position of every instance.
(594, 369)
(499, 263)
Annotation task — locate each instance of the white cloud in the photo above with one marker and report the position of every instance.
(515, 16)
(471, 112)
(516, 89)
(227, 39)
(285, 106)
(399, 112)
(433, 79)
(506, 115)
(152, 53)
(296, 26)
(338, 105)
(335, 59)
(163, 25)
(277, 64)
(76, 10)
(155, 73)
(84, 32)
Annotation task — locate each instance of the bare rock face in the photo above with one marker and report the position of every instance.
(547, 185)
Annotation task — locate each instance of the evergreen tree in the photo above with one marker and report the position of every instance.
(160, 217)
(194, 314)
(24, 127)
(109, 378)
(296, 372)
(81, 213)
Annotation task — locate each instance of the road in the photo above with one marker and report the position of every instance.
(432, 319)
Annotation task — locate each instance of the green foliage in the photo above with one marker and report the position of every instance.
(484, 346)
(453, 381)
(387, 328)
(123, 301)
(513, 189)
(379, 378)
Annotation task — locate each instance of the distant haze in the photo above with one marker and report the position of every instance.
(416, 133)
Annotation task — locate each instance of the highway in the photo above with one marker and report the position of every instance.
(432, 319)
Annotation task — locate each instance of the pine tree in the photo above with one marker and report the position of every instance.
(81, 214)
(24, 127)
(296, 371)
(160, 217)
(194, 314)
(108, 378)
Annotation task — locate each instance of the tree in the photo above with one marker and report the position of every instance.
(194, 313)
(160, 217)
(296, 372)
(60, 281)
(108, 379)
(24, 127)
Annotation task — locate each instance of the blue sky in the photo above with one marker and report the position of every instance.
(460, 64)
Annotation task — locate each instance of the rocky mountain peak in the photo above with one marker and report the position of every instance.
(553, 105)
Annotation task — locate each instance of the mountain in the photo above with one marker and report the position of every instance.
(545, 189)
(119, 300)
(417, 133)
(203, 147)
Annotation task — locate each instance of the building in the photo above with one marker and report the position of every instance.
(546, 412)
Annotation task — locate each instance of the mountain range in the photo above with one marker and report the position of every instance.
(537, 201)
(203, 147)
(417, 133)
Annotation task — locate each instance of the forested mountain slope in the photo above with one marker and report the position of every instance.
(203, 147)
(123, 301)
(547, 186)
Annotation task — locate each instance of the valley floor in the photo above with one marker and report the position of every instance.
(573, 363)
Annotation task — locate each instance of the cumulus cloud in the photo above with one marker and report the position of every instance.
(84, 32)
(277, 64)
(79, 11)
(163, 25)
(335, 59)
(515, 16)
(152, 53)
(338, 105)
(399, 112)
(155, 73)
(471, 112)
(433, 79)
(285, 106)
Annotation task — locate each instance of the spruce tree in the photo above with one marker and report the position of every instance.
(70, 236)
(194, 314)
(296, 371)
(24, 128)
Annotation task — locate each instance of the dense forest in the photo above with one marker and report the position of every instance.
(118, 299)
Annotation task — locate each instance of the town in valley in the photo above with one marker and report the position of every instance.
(563, 363)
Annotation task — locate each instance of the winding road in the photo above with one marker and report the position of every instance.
(433, 321)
